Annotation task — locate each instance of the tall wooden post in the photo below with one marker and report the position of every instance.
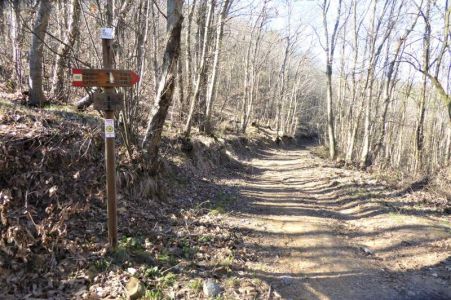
(108, 101)
(109, 152)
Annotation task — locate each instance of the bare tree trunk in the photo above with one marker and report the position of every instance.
(287, 118)
(366, 159)
(36, 53)
(441, 89)
(281, 92)
(15, 41)
(293, 99)
(342, 85)
(330, 115)
(212, 87)
(156, 70)
(294, 116)
(132, 107)
(64, 49)
(353, 124)
(201, 71)
(390, 83)
(419, 130)
(142, 43)
(447, 156)
(166, 85)
(401, 128)
(188, 56)
(330, 49)
(250, 101)
(180, 89)
(119, 23)
(2, 20)
(247, 71)
(252, 72)
(109, 12)
(59, 14)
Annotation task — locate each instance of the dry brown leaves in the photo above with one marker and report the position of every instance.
(49, 172)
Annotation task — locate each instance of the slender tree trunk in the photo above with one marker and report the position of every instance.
(15, 41)
(180, 89)
(368, 90)
(142, 43)
(201, 71)
(163, 99)
(353, 121)
(366, 159)
(447, 156)
(330, 49)
(252, 73)
(281, 92)
(132, 107)
(419, 130)
(59, 14)
(401, 128)
(330, 115)
(342, 88)
(64, 50)
(2, 21)
(188, 56)
(287, 118)
(353, 134)
(156, 70)
(294, 116)
(390, 83)
(247, 72)
(36, 53)
(212, 87)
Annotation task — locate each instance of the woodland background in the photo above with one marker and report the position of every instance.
(224, 84)
(381, 98)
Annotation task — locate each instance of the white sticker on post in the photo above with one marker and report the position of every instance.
(106, 33)
(109, 128)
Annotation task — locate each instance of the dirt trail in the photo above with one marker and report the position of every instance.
(327, 233)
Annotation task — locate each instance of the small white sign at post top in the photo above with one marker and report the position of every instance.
(106, 33)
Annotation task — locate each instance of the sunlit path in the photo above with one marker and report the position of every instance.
(324, 233)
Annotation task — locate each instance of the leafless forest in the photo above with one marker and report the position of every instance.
(372, 78)
(366, 83)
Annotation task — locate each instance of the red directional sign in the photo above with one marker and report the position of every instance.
(103, 78)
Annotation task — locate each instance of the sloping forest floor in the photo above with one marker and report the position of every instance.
(238, 218)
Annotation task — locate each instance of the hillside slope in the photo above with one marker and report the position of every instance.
(264, 221)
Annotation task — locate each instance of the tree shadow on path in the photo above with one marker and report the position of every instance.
(325, 233)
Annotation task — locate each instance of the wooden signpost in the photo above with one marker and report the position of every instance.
(103, 78)
(108, 101)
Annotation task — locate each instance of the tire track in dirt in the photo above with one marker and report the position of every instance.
(325, 233)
